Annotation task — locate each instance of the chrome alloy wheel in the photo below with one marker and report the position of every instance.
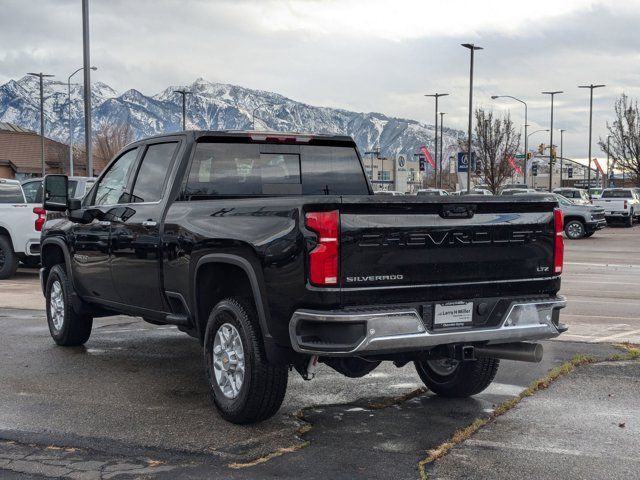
(56, 305)
(574, 230)
(443, 366)
(228, 360)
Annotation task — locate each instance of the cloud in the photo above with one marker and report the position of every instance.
(364, 55)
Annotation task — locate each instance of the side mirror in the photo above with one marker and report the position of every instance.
(56, 193)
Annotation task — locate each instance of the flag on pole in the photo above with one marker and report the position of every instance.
(598, 166)
(427, 155)
(514, 165)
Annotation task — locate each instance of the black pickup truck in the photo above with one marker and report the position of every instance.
(271, 249)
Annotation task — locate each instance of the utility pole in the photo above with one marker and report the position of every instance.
(472, 48)
(608, 179)
(184, 94)
(442, 114)
(553, 94)
(41, 76)
(561, 156)
(376, 152)
(590, 87)
(436, 96)
(87, 86)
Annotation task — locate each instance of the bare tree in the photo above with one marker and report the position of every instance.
(495, 142)
(624, 146)
(110, 139)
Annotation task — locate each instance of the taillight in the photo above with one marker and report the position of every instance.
(42, 217)
(558, 258)
(323, 259)
(625, 204)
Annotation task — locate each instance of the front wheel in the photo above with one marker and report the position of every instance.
(574, 229)
(67, 327)
(244, 386)
(8, 258)
(450, 378)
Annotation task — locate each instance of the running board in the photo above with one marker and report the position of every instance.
(175, 319)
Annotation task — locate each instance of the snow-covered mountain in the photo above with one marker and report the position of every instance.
(212, 106)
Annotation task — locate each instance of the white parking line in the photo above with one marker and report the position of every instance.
(613, 337)
(616, 265)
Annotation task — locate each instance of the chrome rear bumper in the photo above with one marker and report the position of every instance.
(345, 333)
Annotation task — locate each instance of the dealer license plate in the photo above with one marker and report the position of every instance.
(454, 314)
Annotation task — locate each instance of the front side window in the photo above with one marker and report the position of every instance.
(153, 172)
(111, 189)
(11, 193)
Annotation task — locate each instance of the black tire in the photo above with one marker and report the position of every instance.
(628, 222)
(574, 229)
(8, 258)
(263, 385)
(75, 328)
(466, 379)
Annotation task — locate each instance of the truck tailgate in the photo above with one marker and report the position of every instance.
(412, 241)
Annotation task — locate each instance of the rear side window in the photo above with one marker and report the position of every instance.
(33, 191)
(232, 169)
(153, 172)
(617, 194)
(11, 193)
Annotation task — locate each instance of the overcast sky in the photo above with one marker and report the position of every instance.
(364, 55)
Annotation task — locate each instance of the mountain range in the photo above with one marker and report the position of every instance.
(214, 106)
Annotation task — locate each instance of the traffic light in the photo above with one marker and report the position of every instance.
(529, 155)
(534, 169)
(423, 164)
(541, 148)
(553, 152)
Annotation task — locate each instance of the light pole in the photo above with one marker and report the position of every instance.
(526, 125)
(590, 87)
(41, 76)
(436, 96)
(69, 115)
(184, 94)
(608, 179)
(442, 114)
(472, 48)
(86, 50)
(553, 94)
(561, 155)
(253, 114)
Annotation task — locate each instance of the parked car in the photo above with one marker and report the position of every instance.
(388, 192)
(580, 221)
(271, 250)
(620, 204)
(576, 195)
(78, 188)
(432, 192)
(20, 225)
(514, 191)
(516, 185)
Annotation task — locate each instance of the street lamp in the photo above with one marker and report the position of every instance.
(590, 87)
(442, 114)
(472, 48)
(526, 125)
(551, 138)
(41, 76)
(253, 114)
(184, 94)
(86, 62)
(436, 96)
(69, 124)
(561, 155)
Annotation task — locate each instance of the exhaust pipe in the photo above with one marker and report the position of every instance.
(521, 351)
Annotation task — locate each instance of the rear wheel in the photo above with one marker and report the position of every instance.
(574, 229)
(628, 222)
(451, 378)
(67, 328)
(244, 386)
(8, 258)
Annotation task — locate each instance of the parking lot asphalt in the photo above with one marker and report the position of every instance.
(133, 402)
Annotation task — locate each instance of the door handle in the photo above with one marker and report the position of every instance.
(104, 223)
(149, 223)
